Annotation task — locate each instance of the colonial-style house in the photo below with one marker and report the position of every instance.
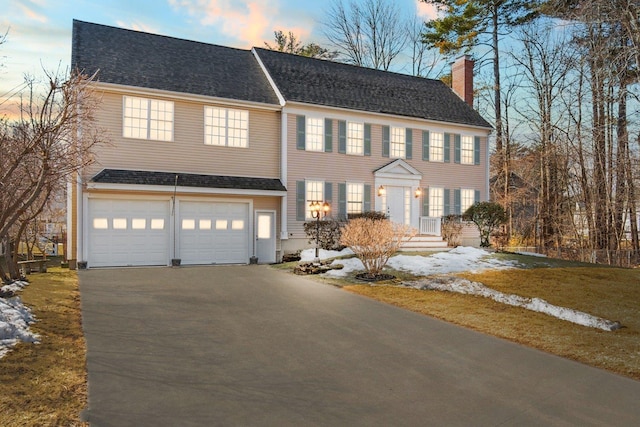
(216, 153)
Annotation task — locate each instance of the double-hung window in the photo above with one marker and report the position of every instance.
(466, 150)
(467, 199)
(226, 127)
(436, 202)
(397, 143)
(147, 119)
(436, 147)
(315, 134)
(314, 192)
(355, 198)
(355, 138)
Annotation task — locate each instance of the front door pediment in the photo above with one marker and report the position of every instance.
(398, 169)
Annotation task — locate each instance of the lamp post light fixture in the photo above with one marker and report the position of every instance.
(318, 209)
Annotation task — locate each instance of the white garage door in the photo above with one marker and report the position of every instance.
(214, 233)
(128, 232)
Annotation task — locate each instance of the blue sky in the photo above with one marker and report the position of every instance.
(39, 31)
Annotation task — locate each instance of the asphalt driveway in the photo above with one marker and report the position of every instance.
(253, 346)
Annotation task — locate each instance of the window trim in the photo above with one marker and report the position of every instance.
(321, 135)
(209, 136)
(468, 152)
(432, 147)
(402, 142)
(431, 199)
(360, 141)
(472, 191)
(147, 119)
(307, 200)
(360, 185)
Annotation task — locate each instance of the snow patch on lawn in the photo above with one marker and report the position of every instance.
(463, 259)
(310, 254)
(464, 286)
(454, 261)
(15, 319)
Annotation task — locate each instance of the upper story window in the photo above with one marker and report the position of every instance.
(436, 202)
(226, 127)
(147, 119)
(315, 134)
(355, 138)
(466, 150)
(355, 198)
(436, 147)
(397, 142)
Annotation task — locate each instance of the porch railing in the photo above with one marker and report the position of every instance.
(431, 225)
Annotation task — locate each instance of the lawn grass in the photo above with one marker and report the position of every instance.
(45, 384)
(610, 293)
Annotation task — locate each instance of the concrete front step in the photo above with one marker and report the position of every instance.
(425, 243)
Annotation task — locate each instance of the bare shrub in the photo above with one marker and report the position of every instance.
(452, 230)
(374, 241)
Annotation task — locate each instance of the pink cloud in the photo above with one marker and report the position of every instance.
(251, 22)
(426, 11)
(31, 14)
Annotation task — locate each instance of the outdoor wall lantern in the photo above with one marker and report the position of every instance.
(418, 192)
(381, 191)
(318, 210)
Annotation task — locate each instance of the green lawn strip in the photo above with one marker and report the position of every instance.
(45, 384)
(610, 293)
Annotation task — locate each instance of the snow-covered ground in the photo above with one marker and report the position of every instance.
(462, 259)
(15, 319)
(454, 261)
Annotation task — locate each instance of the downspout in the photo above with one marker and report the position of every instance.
(486, 171)
(284, 231)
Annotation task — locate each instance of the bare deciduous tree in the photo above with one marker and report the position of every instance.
(51, 141)
(369, 33)
(290, 43)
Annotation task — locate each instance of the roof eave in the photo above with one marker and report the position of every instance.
(293, 104)
(137, 90)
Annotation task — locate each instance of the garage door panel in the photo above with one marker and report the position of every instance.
(213, 232)
(128, 232)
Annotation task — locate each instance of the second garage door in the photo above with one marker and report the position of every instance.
(214, 233)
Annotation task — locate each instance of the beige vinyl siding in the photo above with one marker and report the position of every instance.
(187, 152)
(335, 167)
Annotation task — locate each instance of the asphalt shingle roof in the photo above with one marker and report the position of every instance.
(334, 84)
(121, 176)
(140, 59)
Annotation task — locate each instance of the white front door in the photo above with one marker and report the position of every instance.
(265, 237)
(398, 206)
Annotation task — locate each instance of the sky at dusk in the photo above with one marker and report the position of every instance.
(38, 32)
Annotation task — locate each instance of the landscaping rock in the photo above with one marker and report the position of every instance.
(316, 267)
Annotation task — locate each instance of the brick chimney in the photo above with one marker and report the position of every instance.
(462, 78)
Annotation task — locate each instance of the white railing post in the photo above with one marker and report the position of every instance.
(431, 225)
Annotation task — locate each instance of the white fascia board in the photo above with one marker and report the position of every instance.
(183, 96)
(182, 190)
(376, 118)
(268, 76)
